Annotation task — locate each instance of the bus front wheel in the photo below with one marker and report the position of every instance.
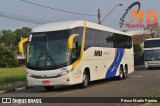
(85, 80)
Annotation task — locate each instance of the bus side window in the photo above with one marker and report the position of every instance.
(75, 52)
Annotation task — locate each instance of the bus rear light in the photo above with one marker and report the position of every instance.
(46, 82)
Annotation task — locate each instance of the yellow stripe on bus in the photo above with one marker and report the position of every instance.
(70, 40)
(82, 48)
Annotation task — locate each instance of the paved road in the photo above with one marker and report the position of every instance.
(139, 84)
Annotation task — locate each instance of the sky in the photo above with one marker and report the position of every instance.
(21, 8)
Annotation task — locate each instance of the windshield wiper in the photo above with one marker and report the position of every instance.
(39, 58)
(50, 58)
(63, 64)
(47, 57)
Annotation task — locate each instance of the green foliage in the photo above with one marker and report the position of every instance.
(137, 49)
(23, 32)
(7, 57)
(7, 38)
(9, 45)
(11, 79)
(9, 75)
(12, 38)
(156, 94)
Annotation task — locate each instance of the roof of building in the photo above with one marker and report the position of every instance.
(139, 32)
(153, 39)
(72, 24)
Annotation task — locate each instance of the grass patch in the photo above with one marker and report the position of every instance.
(151, 104)
(9, 75)
(156, 96)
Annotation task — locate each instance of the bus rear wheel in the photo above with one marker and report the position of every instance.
(85, 81)
(125, 75)
(49, 88)
(120, 77)
(122, 74)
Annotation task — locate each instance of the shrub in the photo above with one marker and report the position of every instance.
(137, 49)
(7, 57)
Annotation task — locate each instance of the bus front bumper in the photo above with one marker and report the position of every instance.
(62, 80)
(151, 65)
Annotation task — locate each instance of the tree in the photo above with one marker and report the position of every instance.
(7, 57)
(7, 38)
(23, 32)
(137, 49)
(154, 30)
(9, 45)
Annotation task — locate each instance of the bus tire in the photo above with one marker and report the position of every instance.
(85, 80)
(49, 88)
(150, 68)
(121, 73)
(125, 75)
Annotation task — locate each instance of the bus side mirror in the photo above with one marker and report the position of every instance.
(70, 40)
(20, 45)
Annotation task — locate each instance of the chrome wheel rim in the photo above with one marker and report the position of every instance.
(85, 79)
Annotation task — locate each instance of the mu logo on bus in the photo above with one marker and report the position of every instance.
(97, 53)
(139, 18)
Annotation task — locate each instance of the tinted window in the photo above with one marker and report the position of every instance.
(151, 43)
(97, 38)
(77, 43)
(121, 41)
(89, 42)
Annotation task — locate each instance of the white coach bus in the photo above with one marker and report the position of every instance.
(77, 52)
(152, 53)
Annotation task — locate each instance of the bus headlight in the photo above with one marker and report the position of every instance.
(64, 71)
(30, 75)
(146, 64)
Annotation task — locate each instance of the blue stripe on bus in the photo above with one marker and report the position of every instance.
(111, 72)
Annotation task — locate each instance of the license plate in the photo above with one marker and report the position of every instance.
(46, 82)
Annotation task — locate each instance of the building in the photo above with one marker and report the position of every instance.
(140, 36)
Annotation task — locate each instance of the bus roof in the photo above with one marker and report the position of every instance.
(72, 24)
(152, 39)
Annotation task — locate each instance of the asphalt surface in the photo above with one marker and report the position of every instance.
(138, 84)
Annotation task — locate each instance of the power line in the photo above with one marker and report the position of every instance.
(71, 12)
(24, 18)
(110, 12)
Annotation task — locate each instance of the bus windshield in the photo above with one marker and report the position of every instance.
(48, 50)
(150, 55)
(151, 43)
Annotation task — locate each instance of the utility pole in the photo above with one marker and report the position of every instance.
(99, 17)
(99, 14)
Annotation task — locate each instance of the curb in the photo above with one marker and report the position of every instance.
(3, 91)
(15, 89)
(18, 89)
